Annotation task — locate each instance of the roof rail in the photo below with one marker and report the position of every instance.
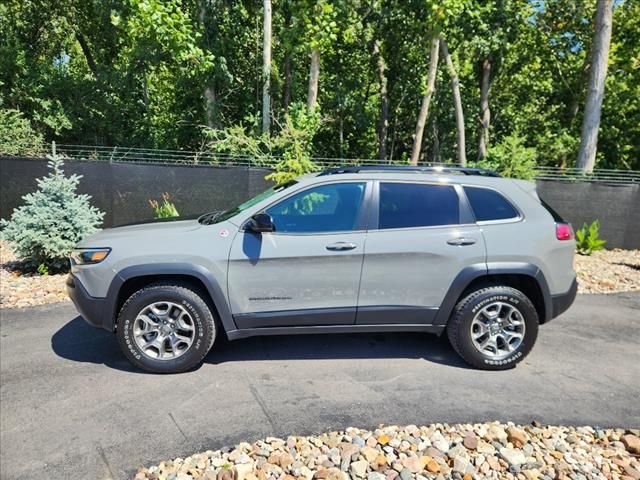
(409, 168)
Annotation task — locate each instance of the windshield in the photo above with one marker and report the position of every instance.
(217, 217)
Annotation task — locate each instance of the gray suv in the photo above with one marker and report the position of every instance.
(354, 249)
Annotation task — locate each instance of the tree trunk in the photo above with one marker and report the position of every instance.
(341, 133)
(383, 126)
(211, 107)
(266, 69)
(457, 101)
(485, 113)
(314, 75)
(87, 54)
(436, 143)
(426, 101)
(597, 75)
(288, 76)
(210, 101)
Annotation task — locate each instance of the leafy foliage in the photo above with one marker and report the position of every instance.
(164, 209)
(588, 239)
(288, 152)
(52, 220)
(511, 158)
(149, 73)
(17, 137)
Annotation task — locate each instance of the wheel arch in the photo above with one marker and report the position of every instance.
(525, 277)
(132, 278)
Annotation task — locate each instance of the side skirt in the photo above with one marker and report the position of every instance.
(379, 328)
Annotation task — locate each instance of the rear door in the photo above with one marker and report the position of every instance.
(422, 235)
(306, 272)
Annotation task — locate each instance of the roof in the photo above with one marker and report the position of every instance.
(410, 169)
(469, 176)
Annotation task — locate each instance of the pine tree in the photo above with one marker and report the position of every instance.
(52, 220)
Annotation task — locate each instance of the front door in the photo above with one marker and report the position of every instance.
(306, 272)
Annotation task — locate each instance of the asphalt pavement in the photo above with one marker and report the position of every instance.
(71, 406)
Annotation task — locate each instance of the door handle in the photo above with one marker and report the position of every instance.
(461, 241)
(341, 246)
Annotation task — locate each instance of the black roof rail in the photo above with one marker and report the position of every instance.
(409, 168)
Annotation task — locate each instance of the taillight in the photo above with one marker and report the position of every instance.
(564, 231)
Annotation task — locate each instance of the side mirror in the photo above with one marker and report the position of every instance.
(260, 222)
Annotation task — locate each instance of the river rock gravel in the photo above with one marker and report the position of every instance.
(608, 271)
(438, 451)
(18, 290)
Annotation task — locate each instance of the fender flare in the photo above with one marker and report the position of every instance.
(185, 269)
(472, 272)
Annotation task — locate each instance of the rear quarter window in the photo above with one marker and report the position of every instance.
(489, 205)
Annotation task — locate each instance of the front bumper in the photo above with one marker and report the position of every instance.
(92, 309)
(562, 302)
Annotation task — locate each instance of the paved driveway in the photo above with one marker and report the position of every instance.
(71, 407)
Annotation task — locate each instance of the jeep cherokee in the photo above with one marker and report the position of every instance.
(353, 249)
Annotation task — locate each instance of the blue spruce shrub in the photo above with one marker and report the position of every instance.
(52, 220)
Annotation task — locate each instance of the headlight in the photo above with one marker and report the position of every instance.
(88, 256)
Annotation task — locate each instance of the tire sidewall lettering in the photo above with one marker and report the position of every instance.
(128, 325)
(495, 298)
(473, 306)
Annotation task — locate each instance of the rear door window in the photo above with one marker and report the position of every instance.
(407, 205)
(489, 205)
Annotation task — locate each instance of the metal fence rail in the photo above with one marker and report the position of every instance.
(598, 175)
(183, 157)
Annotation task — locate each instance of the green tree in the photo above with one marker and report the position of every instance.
(52, 220)
(17, 136)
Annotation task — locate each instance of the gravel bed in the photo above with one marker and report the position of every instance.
(18, 290)
(606, 271)
(439, 451)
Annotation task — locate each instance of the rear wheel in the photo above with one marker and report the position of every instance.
(493, 328)
(166, 328)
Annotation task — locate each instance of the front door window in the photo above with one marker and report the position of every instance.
(327, 208)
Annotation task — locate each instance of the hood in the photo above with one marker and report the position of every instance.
(139, 232)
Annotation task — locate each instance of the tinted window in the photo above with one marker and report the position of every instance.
(327, 208)
(215, 217)
(489, 204)
(405, 205)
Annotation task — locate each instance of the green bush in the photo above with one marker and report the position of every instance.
(287, 152)
(166, 209)
(17, 137)
(588, 239)
(511, 158)
(51, 222)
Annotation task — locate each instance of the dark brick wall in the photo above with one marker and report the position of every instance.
(122, 190)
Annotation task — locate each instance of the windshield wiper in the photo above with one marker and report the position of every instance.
(209, 218)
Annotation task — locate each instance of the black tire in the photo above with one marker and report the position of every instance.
(186, 297)
(459, 327)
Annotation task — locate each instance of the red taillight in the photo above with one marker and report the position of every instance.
(564, 231)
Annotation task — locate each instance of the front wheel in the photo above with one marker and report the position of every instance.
(493, 328)
(166, 328)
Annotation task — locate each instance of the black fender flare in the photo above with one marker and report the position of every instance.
(472, 272)
(213, 287)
